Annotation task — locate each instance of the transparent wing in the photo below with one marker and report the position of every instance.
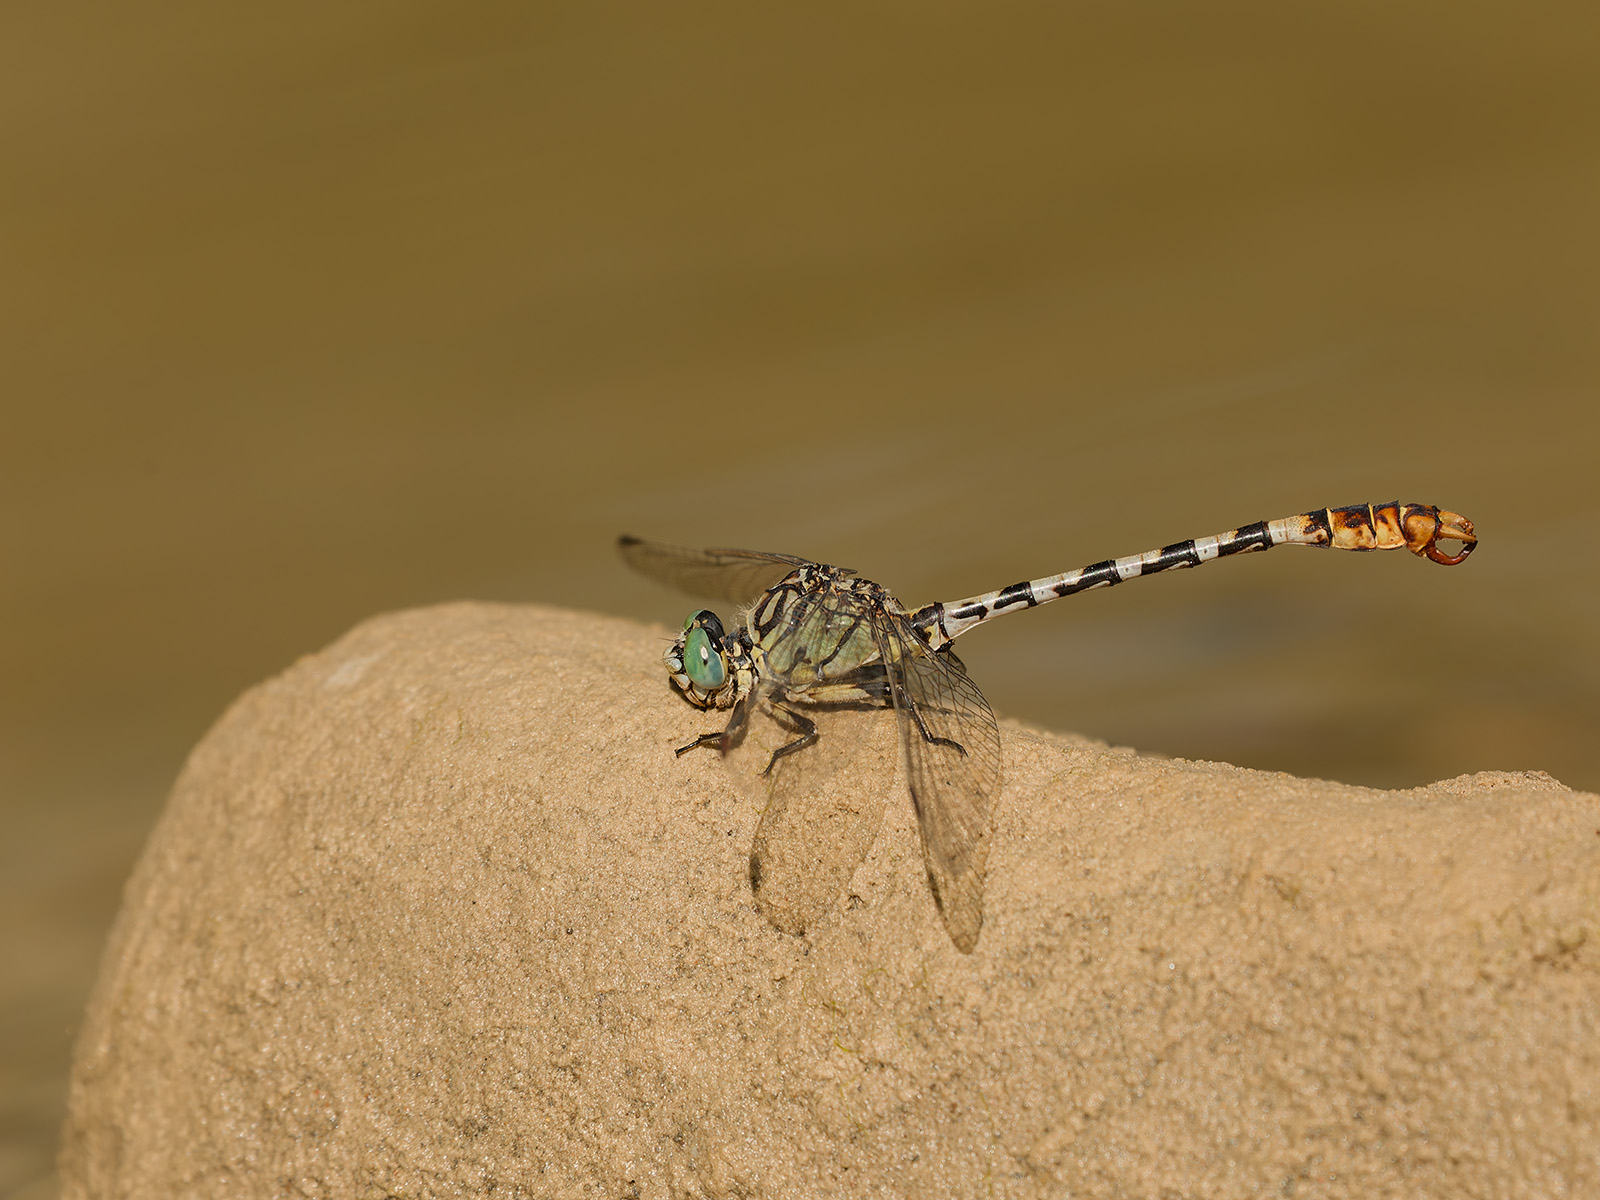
(953, 763)
(736, 575)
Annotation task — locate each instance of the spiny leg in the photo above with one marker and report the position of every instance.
(922, 727)
(869, 686)
(705, 739)
(795, 722)
(722, 738)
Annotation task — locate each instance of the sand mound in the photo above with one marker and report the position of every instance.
(438, 913)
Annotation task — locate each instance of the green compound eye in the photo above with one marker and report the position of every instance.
(702, 660)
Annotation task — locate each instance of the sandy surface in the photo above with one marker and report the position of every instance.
(437, 912)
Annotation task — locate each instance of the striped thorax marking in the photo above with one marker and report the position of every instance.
(815, 626)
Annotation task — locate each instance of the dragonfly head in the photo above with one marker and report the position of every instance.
(704, 662)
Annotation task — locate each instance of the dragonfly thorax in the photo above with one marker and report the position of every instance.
(711, 669)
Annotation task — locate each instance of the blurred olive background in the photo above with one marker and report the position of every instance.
(310, 311)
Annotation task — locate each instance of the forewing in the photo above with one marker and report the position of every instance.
(736, 575)
(953, 764)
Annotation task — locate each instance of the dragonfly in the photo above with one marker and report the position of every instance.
(808, 634)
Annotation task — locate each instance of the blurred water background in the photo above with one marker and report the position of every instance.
(310, 311)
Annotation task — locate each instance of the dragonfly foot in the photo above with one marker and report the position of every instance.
(705, 739)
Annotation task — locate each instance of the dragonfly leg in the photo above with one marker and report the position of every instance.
(721, 738)
(916, 715)
(868, 686)
(705, 739)
(796, 723)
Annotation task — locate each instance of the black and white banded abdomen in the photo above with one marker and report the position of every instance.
(1416, 527)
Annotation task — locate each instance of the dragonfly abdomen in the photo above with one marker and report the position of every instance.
(1417, 527)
